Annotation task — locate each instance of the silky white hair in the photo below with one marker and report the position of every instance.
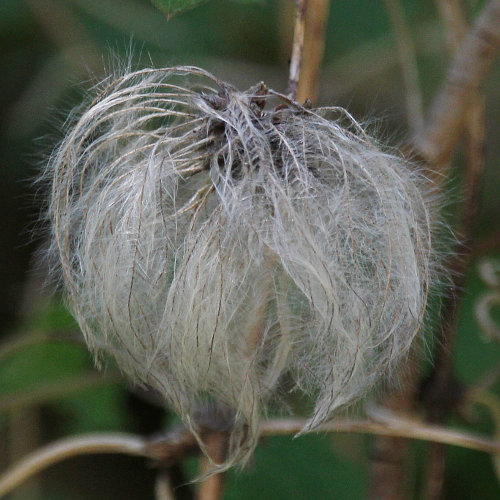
(218, 242)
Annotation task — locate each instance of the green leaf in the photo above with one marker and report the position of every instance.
(172, 7)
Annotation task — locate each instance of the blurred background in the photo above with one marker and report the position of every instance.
(51, 52)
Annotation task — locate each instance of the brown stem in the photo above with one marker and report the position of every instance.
(468, 71)
(388, 471)
(434, 472)
(23, 437)
(297, 48)
(453, 17)
(62, 28)
(163, 488)
(390, 456)
(212, 487)
(314, 47)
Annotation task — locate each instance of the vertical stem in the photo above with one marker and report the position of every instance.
(390, 457)
(314, 47)
(434, 472)
(163, 488)
(388, 479)
(455, 24)
(212, 487)
(297, 49)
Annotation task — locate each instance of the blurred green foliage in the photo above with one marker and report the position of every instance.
(172, 7)
(47, 49)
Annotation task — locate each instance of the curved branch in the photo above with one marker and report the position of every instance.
(397, 427)
(468, 71)
(66, 448)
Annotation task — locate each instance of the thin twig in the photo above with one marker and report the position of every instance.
(398, 427)
(408, 63)
(66, 448)
(314, 47)
(390, 458)
(467, 73)
(435, 144)
(297, 49)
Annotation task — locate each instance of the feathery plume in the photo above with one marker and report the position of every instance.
(215, 241)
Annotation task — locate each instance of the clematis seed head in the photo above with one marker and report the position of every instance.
(218, 242)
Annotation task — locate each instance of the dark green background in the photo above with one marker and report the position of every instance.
(50, 52)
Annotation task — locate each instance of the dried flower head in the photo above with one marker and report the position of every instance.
(215, 241)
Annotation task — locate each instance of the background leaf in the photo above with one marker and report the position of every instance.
(172, 7)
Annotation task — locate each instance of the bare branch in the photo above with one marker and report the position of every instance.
(397, 427)
(467, 73)
(297, 49)
(66, 448)
(314, 46)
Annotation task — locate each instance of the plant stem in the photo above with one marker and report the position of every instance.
(163, 488)
(469, 69)
(314, 47)
(67, 448)
(297, 48)
(212, 487)
(398, 427)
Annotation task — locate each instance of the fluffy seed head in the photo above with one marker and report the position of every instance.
(217, 242)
